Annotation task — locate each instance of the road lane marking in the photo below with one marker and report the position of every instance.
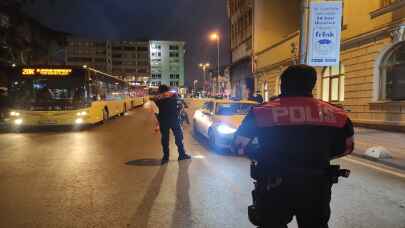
(217, 173)
(384, 170)
(198, 156)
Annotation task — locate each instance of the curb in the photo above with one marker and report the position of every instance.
(391, 162)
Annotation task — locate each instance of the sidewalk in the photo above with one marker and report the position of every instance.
(394, 142)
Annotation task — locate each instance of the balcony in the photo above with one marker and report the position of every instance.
(387, 6)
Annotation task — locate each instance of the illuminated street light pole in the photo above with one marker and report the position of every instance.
(195, 82)
(304, 27)
(215, 37)
(204, 67)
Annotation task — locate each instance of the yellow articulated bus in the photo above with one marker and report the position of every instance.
(64, 96)
(138, 95)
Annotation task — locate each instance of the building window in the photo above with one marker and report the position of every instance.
(142, 71)
(392, 78)
(156, 83)
(174, 76)
(174, 54)
(156, 76)
(174, 83)
(173, 47)
(333, 84)
(140, 48)
(142, 63)
(129, 48)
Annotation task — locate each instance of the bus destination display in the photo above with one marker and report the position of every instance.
(46, 72)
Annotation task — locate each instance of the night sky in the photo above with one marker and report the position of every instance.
(185, 20)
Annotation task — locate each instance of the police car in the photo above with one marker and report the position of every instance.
(218, 120)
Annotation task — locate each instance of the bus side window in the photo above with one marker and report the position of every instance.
(94, 91)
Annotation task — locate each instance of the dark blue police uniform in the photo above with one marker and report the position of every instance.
(168, 118)
(298, 136)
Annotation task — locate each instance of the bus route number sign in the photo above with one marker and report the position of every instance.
(45, 72)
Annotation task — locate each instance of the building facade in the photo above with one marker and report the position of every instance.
(370, 79)
(167, 63)
(128, 60)
(220, 85)
(275, 42)
(240, 16)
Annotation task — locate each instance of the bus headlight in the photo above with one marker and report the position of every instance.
(14, 114)
(79, 121)
(225, 129)
(18, 121)
(84, 113)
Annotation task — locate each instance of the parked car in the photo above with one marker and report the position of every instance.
(218, 120)
(3, 104)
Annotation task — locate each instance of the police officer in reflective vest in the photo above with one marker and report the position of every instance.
(297, 137)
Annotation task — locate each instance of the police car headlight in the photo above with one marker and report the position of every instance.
(79, 121)
(15, 114)
(225, 129)
(18, 121)
(84, 113)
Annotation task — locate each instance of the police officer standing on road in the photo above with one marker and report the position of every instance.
(168, 118)
(297, 136)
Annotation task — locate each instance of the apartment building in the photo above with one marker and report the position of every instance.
(128, 60)
(167, 63)
(240, 16)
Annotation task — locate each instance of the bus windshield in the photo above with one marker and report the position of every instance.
(49, 93)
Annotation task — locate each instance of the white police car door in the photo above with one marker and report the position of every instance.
(207, 118)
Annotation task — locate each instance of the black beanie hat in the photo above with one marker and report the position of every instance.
(163, 88)
(298, 80)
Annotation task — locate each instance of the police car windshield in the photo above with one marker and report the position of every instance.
(229, 109)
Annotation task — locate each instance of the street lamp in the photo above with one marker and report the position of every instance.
(215, 37)
(204, 67)
(195, 88)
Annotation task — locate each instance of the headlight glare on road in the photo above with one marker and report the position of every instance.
(18, 121)
(14, 114)
(79, 121)
(225, 129)
(84, 113)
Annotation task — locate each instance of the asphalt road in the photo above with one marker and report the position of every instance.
(108, 176)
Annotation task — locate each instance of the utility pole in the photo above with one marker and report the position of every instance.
(304, 28)
(218, 58)
(204, 67)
